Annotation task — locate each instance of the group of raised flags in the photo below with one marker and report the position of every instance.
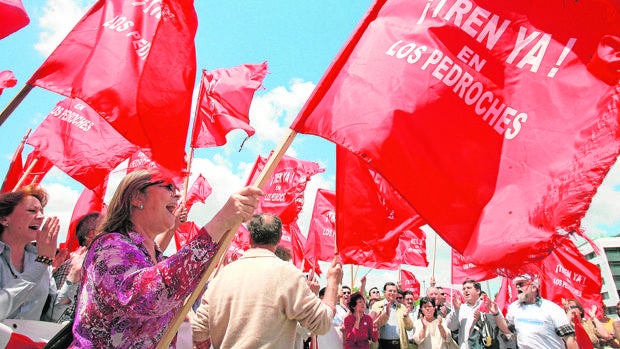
(494, 123)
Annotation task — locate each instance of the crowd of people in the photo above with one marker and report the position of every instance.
(119, 291)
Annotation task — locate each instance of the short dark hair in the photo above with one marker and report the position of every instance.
(473, 282)
(425, 300)
(347, 287)
(353, 300)
(265, 229)
(283, 253)
(389, 283)
(88, 222)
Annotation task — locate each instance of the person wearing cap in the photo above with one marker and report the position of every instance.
(539, 323)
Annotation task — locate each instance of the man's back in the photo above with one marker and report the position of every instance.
(256, 302)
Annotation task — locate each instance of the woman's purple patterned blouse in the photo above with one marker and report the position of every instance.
(127, 301)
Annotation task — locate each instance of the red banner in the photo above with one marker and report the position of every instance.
(38, 165)
(462, 270)
(134, 62)
(284, 192)
(80, 143)
(506, 295)
(13, 17)
(184, 233)
(322, 230)
(483, 115)
(408, 282)
(224, 103)
(373, 220)
(239, 244)
(198, 192)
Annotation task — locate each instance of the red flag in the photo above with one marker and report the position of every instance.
(284, 193)
(224, 103)
(134, 62)
(200, 190)
(506, 295)
(239, 244)
(322, 231)
(184, 233)
(15, 170)
(7, 78)
(89, 201)
(408, 282)
(13, 17)
(79, 142)
(462, 270)
(372, 219)
(295, 241)
(38, 166)
(580, 334)
(141, 160)
(567, 274)
(482, 116)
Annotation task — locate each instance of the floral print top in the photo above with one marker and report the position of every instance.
(126, 300)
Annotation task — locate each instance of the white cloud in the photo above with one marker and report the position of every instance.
(57, 20)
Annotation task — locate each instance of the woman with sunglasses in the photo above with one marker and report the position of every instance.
(129, 293)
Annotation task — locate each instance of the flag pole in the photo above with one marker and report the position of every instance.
(434, 255)
(10, 108)
(225, 241)
(186, 183)
(26, 173)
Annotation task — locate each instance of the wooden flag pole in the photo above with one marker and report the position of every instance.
(186, 183)
(26, 173)
(21, 144)
(10, 108)
(225, 241)
(434, 255)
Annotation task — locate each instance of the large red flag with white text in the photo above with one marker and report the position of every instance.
(13, 17)
(494, 120)
(134, 62)
(375, 226)
(284, 192)
(408, 282)
(322, 231)
(224, 103)
(80, 143)
(567, 274)
(463, 270)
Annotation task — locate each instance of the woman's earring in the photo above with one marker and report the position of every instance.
(141, 206)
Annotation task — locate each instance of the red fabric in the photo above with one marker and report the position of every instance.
(567, 274)
(184, 233)
(88, 202)
(322, 230)
(7, 78)
(135, 70)
(463, 270)
(20, 341)
(38, 170)
(284, 192)
(408, 282)
(13, 17)
(239, 244)
(506, 295)
(15, 170)
(372, 219)
(199, 192)
(141, 160)
(478, 134)
(80, 143)
(580, 334)
(295, 241)
(224, 103)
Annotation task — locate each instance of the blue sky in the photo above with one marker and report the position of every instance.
(297, 38)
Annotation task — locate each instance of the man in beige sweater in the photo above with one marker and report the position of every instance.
(257, 301)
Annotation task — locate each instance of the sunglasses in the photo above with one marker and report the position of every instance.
(442, 294)
(346, 292)
(169, 186)
(522, 284)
